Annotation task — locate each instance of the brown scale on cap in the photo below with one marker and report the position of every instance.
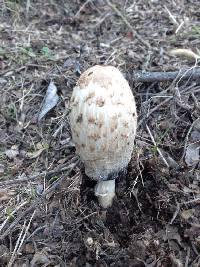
(79, 118)
(100, 124)
(104, 147)
(89, 96)
(91, 120)
(75, 132)
(92, 148)
(77, 146)
(124, 135)
(125, 124)
(101, 120)
(75, 103)
(113, 125)
(94, 136)
(100, 101)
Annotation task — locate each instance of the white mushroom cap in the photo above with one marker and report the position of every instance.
(103, 121)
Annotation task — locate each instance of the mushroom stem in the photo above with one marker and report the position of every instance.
(105, 192)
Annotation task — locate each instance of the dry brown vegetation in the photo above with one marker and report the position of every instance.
(48, 213)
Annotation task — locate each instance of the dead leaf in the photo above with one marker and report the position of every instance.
(5, 194)
(39, 189)
(40, 258)
(171, 233)
(192, 232)
(35, 154)
(173, 187)
(13, 152)
(40, 148)
(3, 81)
(187, 214)
(29, 248)
(188, 190)
(184, 53)
(50, 100)
(192, 154)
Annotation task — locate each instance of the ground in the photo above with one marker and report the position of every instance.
(48, 213)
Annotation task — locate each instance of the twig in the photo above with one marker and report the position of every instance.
(154, 142)
(194, 249)
(187, 257)
(187, 136)
(16, 246)
(86, 217)
(14, 211)
(171, 17)
(175, 262)
(32, 178)
(23, 214)
(28, 5)
(20, 243)
(175, 213)
(56, 183)
(36, 231)
(145, 76)
(193, 201)
(8, 71)
(196, 103)
(81, 8)
(34, 204)
(178, 207)
(25, 233)
(116, 10)
(154, 109)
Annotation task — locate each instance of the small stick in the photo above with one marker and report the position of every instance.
(12, 213)
(192, 201)
(154, 142)
(81, 8)
(20, 241)
(145, 76)
(187, 257)
(157, 76)
(154, 109)
(16, 246)
(175, 213)
(34, 177)
(118, 12)
(35, 204)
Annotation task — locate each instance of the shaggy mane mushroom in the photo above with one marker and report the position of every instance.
(103, 123)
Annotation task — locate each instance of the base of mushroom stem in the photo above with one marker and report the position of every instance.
(105, 192)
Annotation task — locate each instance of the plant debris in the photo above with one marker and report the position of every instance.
(50, 100)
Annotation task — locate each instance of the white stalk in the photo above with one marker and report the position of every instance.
(105, 192)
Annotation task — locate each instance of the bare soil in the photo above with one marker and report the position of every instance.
(48, 213)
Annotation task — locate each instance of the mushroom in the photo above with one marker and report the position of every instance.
(103, 123)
